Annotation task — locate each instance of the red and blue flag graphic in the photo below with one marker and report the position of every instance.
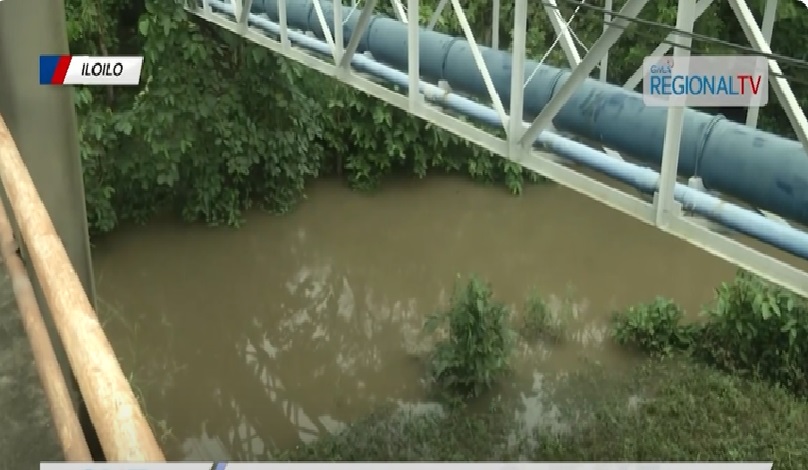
(53, 69)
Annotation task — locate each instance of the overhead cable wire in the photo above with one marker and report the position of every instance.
(672, 29)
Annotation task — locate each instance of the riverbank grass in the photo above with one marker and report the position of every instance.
(666, 410)
(708, 392)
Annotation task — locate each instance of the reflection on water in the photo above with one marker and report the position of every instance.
(246, 341)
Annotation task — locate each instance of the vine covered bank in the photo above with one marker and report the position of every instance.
(221, 124)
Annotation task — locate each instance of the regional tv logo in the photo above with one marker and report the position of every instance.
(706, 81)
(89, 70)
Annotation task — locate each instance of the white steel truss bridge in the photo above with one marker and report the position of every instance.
(693, 209)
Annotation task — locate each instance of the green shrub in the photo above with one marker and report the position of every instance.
(754, 328)
(479, 343)
(758, 328)
(538, 321)
(689, 413)
(653, 328)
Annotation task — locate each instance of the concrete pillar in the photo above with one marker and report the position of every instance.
(42, 120)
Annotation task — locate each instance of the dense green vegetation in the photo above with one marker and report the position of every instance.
(222, 124)
(754, 329)
(729, 388)
(693, 413)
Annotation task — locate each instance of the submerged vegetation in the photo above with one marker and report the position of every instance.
(691, 413)
(753, 329)
(478, 345)
(729, 388)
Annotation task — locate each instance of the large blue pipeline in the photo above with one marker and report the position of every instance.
(755, 225)
(764, 170)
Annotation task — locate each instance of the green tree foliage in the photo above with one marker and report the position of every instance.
(753, 328)
(209, 134)
(221, 124)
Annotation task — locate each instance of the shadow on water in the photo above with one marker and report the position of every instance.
(242, 342)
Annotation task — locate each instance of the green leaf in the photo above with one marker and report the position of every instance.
(143, 26)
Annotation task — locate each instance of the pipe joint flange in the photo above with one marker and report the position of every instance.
(705, 137)
(444, 85)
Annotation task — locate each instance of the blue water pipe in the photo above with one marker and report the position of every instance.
(644, 179)
(765, 170)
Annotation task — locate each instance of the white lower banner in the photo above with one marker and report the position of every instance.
(406, 466)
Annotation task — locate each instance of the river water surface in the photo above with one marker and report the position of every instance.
(244, 341)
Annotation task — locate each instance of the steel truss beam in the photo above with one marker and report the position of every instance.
(769, 16)
(565, 38)
(767, 27)
(598, 50)
(759, 39)
(664, 47)
(478, 59)
(780, 85)
(398, 8)
(514, 147)
(607, 19)
(664, 203)
(516, 122)
(361, 26)
(413, 53)
(563, 34)
(796, 116)
(436, 15)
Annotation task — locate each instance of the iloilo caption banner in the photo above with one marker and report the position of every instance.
(405, 466)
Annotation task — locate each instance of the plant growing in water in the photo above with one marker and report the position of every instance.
(653, 328)
(753, 328)
(538, 320)
(479, 343)
(758, 328)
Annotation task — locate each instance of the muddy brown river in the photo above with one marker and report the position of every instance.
(245, 341)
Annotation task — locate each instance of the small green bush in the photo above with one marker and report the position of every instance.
(758, 328)
(754, 328)
(538, 321)
(479, 343)
(653, 328)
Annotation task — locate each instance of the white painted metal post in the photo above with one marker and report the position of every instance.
(398, 8)
(495, 25)
(612, 33)
(563, 33)
(245, 12)
(284, 27)
(436, 15)
(663, 199)
(516, 126)
(237, 10)
(478, 60)
(339, 42)
(780, 85)
(607, 19)
(329, 38)
(413, 52)
(243, 15)
(361, 25)
(664, 47)
(767, 27)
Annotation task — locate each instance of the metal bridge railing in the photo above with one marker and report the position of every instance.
(122, 428)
